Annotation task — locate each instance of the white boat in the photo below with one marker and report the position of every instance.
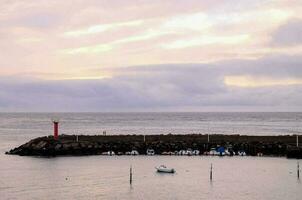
(213, 152)
(169, 153)
(241, 153)
(183, 153)
(164, 169)
(227, 153)
(196, 152)
(134, 153)
(108, 153)
(189, 152)
(150, 152)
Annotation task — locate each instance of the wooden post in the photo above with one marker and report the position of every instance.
(144, 138)
(211, 172)
(77, 138)
(208, 133)
(131, 175)
(297, 140)
(298, 170)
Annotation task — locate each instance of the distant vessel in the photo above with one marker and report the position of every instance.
(164, 169)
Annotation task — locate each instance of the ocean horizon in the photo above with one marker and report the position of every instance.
(107, 177)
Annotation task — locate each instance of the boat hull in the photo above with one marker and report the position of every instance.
(165, 170)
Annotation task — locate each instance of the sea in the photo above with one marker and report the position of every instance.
(107, 177)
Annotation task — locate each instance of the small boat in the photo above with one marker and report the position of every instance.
(241, 153)
(227, 152)
(164, 169)
(221, 151)
(150, 152)
(189, 152)
(108, 153)
(134, 153)
(182, 153)
(195, 152)
(213, 152)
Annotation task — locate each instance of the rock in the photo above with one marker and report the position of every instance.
(40, 145)
(58, 147)
(75, 145)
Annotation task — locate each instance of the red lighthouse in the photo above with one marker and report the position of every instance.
(55, 128)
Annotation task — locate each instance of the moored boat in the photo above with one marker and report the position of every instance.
(150, 152)
(241, 153)
(213, 152)
(134, 153)
(108, 153)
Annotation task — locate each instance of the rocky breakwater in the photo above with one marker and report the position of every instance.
(161, 144)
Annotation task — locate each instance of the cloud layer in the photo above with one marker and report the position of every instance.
(72, 37)
(117, 55)
(289, 34)
(182, 87)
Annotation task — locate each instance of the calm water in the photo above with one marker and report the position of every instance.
(101, 177)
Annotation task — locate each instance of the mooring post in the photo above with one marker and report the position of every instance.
(297, 140)
(211, 172)
(144, 138)
(298, 170)
(131, 175)
(77, 138)
(208, 133)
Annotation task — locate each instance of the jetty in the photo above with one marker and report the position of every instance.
(169, 144)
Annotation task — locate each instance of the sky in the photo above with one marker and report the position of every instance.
(143, 55)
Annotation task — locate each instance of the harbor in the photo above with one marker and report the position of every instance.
(150, 100)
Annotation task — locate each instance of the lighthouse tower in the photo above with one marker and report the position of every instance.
(55, 128)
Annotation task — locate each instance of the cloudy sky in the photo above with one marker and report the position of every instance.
(139, 55)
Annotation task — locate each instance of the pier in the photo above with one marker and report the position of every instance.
(161, 144)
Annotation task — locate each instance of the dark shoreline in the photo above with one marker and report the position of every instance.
(78, 145)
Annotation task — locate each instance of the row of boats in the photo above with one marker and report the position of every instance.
(224, 152)
(189, 152)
